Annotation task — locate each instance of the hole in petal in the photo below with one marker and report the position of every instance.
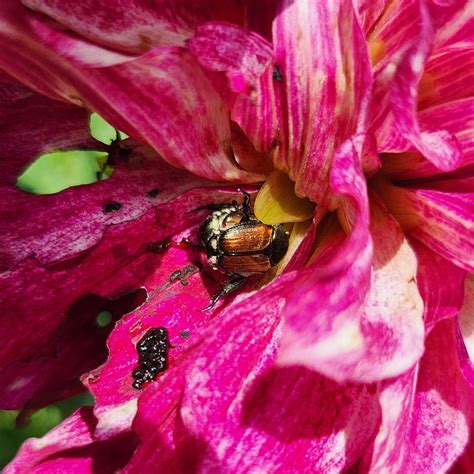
(53, 172)
(112, 206)
(103, 131)
(103, 319)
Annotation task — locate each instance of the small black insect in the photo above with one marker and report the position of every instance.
(152, 351)
(240, 245)
(277, 75)
(112, 206)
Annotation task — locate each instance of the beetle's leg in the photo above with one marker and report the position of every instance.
(209, 207)
(186, 241)
(246, 209)
(231, 286)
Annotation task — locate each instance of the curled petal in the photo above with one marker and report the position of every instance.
(457, 117)
(137, 26)
(127, 255)
(198, 126)
(441, 285)
(226, 419)
(362, 332)
(396, 400)
(466, 320)
(448, 76)
(341, 266)
(395, 102)
(442, 413)
(245, 59)
(325, 81)
(71, 447)
(445, 223)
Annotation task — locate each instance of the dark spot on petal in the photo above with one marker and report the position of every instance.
(157, 247)
(185, 334)
(153, 192)
(277, 75)
(112, 206)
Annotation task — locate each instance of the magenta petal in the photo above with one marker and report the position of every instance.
(441, 285)
(396, 401)
(137, 26)
(443, 407)
(199, 125)
(396, 97)
(239, 413)
(244, 57)
(325, 79)
(171, 305)
(122, 262)
(466, 319)
(441, 214)
(427, 429)
(71, 447)
(448, 76)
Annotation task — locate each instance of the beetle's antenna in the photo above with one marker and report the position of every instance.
(246, 210)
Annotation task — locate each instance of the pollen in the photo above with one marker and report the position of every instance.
(377, 51)
(277, 203)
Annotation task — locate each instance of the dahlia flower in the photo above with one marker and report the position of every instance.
(348, 122)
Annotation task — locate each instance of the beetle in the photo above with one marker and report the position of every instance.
(240, 245)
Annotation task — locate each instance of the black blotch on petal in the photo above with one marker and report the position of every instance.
(277, 75)
(152, 350)
(112, 206)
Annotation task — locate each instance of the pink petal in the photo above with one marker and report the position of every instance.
(466, 317)
(48, 226)
(171, 305)
(323, 58)
(121, 262)
(244, 57)
(369, 12)
(342, 265)
(137, 26)
(80, 347)
(453, 20)
(396, 401)
(427, 430)
(442, 412)
(71, 447)
(395, 101)
(457, 118)
(362, 332)
(445, 223)
(441, 285)
(247, 414)
(199, 125)
(448, 76)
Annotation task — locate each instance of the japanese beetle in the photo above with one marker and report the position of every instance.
(240, 245)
